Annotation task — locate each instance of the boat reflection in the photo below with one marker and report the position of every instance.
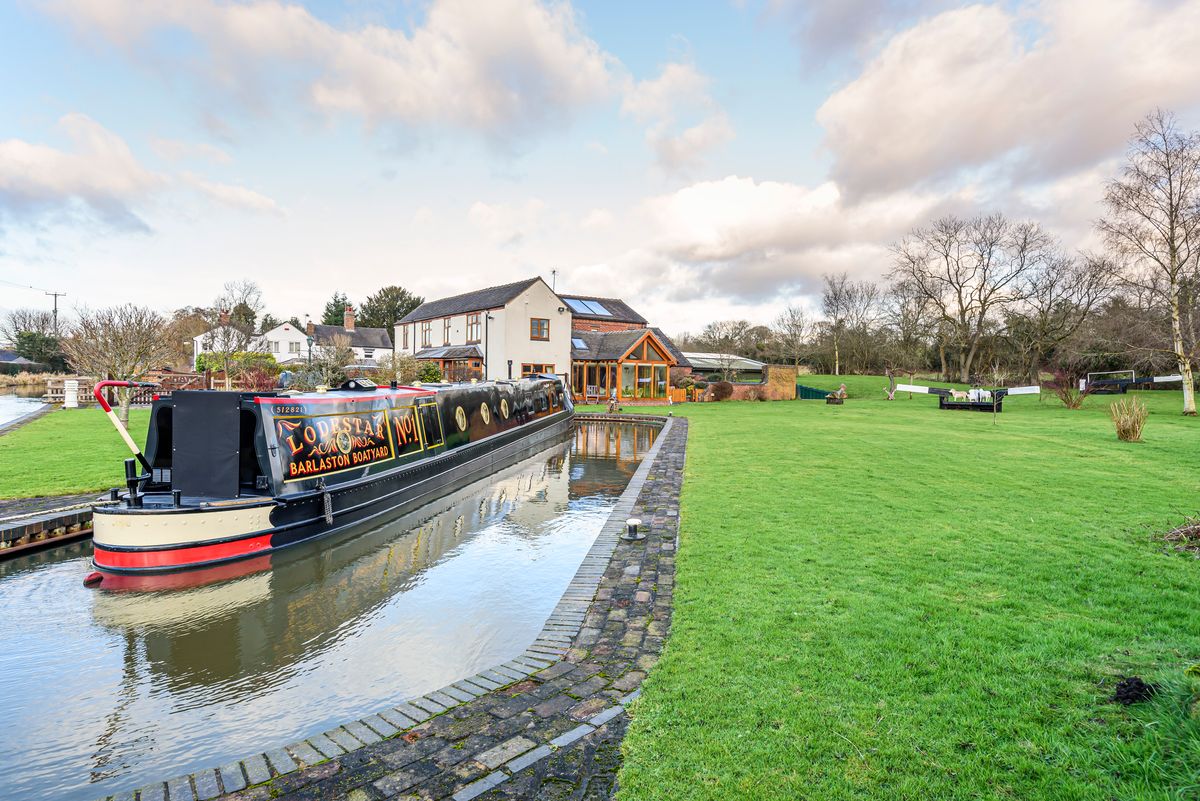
(311, 595)
(152, 681)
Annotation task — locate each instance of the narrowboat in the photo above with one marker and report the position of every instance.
(229, 476)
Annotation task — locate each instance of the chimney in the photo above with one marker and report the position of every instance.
(308, 328)
(223, 318)
(348, 318)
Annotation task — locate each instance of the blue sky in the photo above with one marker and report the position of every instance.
(702, 160)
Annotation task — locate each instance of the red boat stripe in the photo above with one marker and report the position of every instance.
(179, 557)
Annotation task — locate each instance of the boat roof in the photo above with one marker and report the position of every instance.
(346, 395)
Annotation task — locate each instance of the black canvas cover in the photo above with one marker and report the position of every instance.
(206, 439)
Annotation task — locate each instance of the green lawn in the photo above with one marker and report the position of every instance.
(888, 601)
(66, 451)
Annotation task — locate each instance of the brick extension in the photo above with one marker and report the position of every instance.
(547, 724)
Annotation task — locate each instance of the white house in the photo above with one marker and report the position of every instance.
(290, 344)
(500, 332)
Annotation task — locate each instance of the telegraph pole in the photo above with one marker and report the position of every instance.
(56, 296)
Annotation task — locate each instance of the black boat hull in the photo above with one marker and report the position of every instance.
(303, 517)
(312, 465)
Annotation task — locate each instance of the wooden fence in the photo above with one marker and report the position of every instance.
(167, 383)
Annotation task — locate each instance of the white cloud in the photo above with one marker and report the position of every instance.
(231, 195)
(596, 219)
(100, 175)
(684, 122)
(502, 68)
(507, 224)
(423, 217)
(1030, 95)
(833, 30)
(99, 178)
(178, 150)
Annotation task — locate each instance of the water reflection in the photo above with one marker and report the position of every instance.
(19, 401)
(152, 684)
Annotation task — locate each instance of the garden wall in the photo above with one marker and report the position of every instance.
(779, 383)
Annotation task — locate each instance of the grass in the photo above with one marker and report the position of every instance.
(887, 601)
(66, 451)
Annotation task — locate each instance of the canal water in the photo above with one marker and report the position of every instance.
(107, 691)
(19, 401)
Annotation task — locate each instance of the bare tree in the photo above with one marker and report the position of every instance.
(849, 306)
(121, 342)
(23, 321)
(970, 270)
(726, 338)
(792, 328)
(231, 325)
(1056, 300)
(334, 356)
(906, 314)
(1153, 221)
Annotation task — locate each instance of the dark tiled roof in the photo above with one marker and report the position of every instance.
(451, 352)
(603, 346)
(493, 297)
(621, 313)
(359, 337)
(11, 357)
(606, 346)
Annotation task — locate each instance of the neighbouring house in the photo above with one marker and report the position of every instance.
(11, 357)
(501, 332)
(704, 364)
(290, 344)
(525, 328)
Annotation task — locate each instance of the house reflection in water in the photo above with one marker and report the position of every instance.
(606, 446)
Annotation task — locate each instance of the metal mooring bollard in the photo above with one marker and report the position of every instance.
(631, 530)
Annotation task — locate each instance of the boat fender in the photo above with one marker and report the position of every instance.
(93, 578)
(326, 502)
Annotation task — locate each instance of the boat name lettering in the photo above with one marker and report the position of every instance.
(316, 445)
(404, 429)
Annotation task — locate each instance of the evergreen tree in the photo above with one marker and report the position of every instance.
(386, 306)
(40, 348)
(335, 310)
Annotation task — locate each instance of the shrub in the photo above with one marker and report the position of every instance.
(239, 362)
(258, 379)
(402, 368)
(722, 390)
(1066, 388)
(701, 385)
(429, 373)
(1128, 416)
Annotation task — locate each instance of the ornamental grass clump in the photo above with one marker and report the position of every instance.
(1128, 416)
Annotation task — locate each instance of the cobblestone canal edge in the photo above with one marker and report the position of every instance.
(547, 724)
